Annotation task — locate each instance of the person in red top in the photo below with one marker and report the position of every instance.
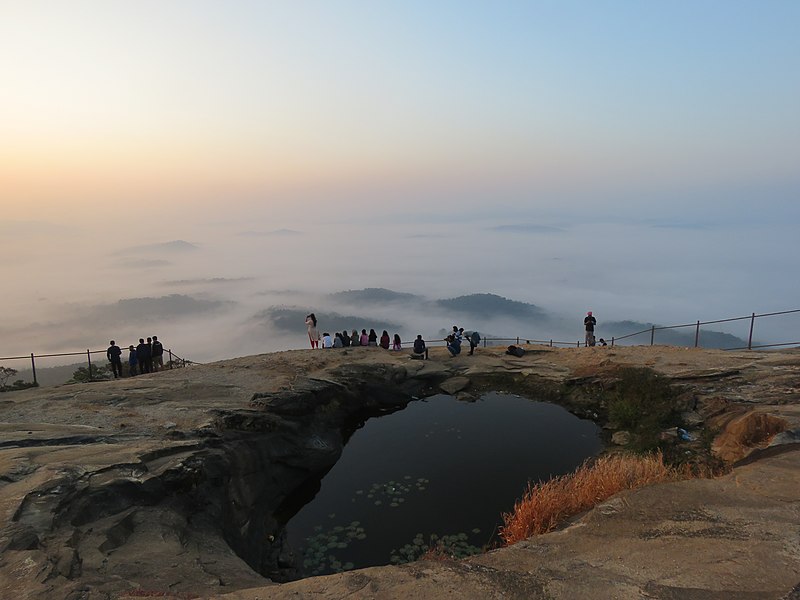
(385, 340)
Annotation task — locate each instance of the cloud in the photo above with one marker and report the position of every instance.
(204, 281)
(273, 233)
(141, 263)
(526, 228)
(373, 295)
(171, 247)
(491, 306)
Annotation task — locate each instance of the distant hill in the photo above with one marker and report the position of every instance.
(673, 337)
(293, 319)
(373, 295)
(490, 306)
(169, 247)
(150, 309)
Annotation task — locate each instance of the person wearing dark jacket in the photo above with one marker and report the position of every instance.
(373, 338)
(143, 356)
(113, 353)
(157, 352)
(132, 360)
(589, 322)
(420, 349)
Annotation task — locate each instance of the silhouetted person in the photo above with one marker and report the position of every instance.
(113, 353)
(345, 339)
(420, 349)
(143, 357)
(355, 338)
(474, 339)
(589, 322)
(157, 352)
(132, 362)
(396, 343)
(373, 338)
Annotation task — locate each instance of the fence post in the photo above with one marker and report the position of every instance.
(33, 370)
(652, 334)
(551, 343)
(517, 339)
(89, 358)
(170, 357)
(750, 337)
(697, 335)
(612, 341)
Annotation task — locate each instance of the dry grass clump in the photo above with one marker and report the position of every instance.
(545, 505)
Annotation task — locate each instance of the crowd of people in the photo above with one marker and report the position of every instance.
(146, 357)
(346, 340)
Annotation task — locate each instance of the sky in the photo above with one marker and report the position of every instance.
(641, 159)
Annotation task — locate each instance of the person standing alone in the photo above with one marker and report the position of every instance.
(589, 322)
(114, 353)
(313, 332)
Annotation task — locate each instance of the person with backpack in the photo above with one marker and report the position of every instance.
(114, 353)
(474, 339)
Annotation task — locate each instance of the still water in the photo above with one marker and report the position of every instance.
(439, 472)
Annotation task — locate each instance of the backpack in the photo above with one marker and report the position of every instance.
(516, 351)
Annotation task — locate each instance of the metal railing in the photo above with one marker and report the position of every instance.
(174, 361)
(752, 318)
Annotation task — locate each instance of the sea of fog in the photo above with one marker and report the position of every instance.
(210, 288)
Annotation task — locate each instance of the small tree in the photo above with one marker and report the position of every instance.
(82, 374)
(6, 373)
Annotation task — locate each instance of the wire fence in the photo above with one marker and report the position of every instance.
(92, 370)
(650, 336)
(175, 361)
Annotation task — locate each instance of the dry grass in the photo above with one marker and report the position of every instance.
(545, 505)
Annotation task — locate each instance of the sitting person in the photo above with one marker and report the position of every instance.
(373, 338)
(364, 340)
(420, 349)
(453, 344)
(355, 339)
(602, 342)
(385, 340)
(345, 339)
(397, 344)
(327, 341)
(338, 342)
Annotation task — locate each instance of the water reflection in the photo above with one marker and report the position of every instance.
(439, 473)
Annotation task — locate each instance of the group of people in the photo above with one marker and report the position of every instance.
(353, 339)
(346, 340)
(146, 357)
(455, 339)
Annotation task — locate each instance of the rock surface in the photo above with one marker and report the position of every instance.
(147, 486)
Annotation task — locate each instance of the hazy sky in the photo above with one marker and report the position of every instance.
(640, 157)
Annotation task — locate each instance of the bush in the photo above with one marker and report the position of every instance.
(643, 402)
(546, 505)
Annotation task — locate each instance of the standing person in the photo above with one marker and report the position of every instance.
(420, 349)
(396, 343)
(474, 339)
(143, 356)
(158, 355)
(373, 338)
(113, 353)
(589, 322)
(132, 360)
(313, 332)
(150, 355)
